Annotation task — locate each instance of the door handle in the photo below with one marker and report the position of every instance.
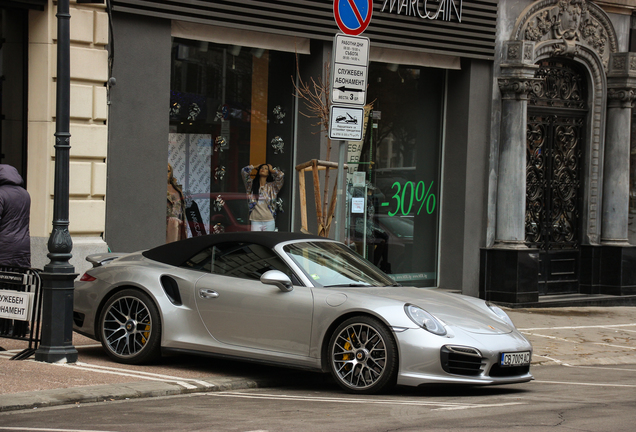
(208, 293)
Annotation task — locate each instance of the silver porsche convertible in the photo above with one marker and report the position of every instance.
(294, 300)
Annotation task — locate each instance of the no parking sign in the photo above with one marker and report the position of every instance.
(353, 16)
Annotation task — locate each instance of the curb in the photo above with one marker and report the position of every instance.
(134, 390)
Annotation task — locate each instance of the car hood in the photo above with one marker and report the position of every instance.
(453, 309)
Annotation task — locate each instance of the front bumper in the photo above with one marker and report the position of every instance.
(427, 359)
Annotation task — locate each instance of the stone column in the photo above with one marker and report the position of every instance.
(509, 270)
(517, 78)
(621, 92)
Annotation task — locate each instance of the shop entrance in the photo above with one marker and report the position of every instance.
(557, 111)
(13, 88)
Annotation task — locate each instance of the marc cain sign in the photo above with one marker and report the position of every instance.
(446, 10)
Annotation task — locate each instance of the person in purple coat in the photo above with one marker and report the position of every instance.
(15, 207)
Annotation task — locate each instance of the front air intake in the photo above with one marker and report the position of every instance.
(464, 361)
(497, 371)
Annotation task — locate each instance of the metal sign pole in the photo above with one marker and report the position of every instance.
(349, 64)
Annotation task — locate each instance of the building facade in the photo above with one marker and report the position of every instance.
(28, 51)
(212, 88)
(495, 158)
(560, 152)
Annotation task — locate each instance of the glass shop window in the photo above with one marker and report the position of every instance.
(230, 106)
(394, 173)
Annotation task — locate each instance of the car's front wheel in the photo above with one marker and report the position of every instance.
(130, 328)
(363, 356)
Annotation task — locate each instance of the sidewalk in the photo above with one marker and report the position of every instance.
(568, 336)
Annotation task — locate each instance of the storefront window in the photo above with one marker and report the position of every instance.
(394, 174)
(230, 106)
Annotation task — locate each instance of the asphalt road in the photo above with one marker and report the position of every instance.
(574, 398)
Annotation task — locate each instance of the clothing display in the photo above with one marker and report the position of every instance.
(269, 225)
(175, 215)
(265, 201)
(261, 212)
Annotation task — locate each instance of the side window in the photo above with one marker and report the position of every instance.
(246, 261)
(202, 261)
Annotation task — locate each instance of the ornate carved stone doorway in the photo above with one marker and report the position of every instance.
(557, 111)
(573, 115)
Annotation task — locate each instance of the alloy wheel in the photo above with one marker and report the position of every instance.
(127, 326)
(359, 356)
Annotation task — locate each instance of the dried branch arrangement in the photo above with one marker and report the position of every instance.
(315, 95)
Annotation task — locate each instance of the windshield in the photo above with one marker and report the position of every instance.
(330, 264)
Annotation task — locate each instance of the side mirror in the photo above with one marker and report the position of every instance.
(278, 278)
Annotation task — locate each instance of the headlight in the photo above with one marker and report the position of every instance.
(501, 314)
(424, 319)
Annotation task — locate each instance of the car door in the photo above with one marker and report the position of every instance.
(238, 309)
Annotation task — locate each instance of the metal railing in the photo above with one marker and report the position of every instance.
(21, 307)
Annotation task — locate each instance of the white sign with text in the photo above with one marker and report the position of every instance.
(15, 305)
(352, 50)
(349, 84)
(346, 123)
(350, 62)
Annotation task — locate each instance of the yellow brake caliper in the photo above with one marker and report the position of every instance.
(347, 347)
(145, 334)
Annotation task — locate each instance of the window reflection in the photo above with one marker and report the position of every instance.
(242, 260)
(331, 264)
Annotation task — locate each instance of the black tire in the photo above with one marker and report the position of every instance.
(363, 356)
(130, 328)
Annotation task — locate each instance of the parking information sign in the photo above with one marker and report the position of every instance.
(346, 123)
(349, 72)
(349, 84)
(351, 50)
(349, 65)
(349, 87)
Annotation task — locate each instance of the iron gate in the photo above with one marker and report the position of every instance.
(555, 134)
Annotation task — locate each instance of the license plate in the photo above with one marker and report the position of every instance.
(515, 359)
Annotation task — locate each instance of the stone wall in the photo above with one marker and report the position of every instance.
(88, 128)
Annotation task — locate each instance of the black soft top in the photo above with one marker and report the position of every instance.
(177, 253)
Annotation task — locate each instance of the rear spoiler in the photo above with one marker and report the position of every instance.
(102, 259)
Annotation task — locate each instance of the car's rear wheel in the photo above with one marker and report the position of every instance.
(130, 327)
(363, 356)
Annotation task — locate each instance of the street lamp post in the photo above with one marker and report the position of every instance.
(59, 274)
